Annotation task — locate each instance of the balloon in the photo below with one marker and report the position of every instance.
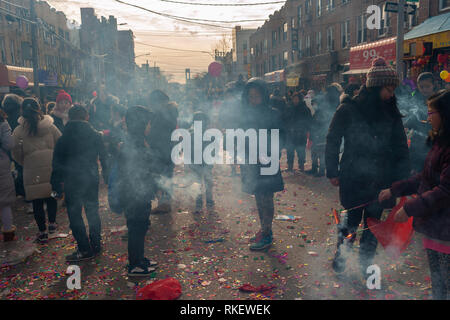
(444, 74)
(447, 80)
(22, 82)
(215, 69)
(94, 94)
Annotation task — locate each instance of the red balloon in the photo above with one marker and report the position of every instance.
(215, 69)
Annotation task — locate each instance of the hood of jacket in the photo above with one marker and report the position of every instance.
(261, 86)
(43, 125)
(79, 130)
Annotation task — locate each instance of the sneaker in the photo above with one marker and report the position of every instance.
(42, 238)
(79, 256)
(52, 228)
(140, 271)
(150, 263)
(338, 262)
(30, 209)
(262, 244)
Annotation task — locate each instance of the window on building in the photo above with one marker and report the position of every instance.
(300, 48)
(245, 60)
(12, 49)
(274, 62)
(279, 34)
(319, 42)
(285, 58)
(444, 4)
(361, 30)
(2, 50)
(331, 5)
(345, 34)
(285, 31)
(292, 23)
(274, 39)
(319, 8)
(330, 39)
(308, 7)
(265, 45)
(385, 21)
(308, 46)
(345, 1)
(67, 36)
(299, 16)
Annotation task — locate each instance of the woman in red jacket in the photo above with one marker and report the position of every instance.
(431, 208)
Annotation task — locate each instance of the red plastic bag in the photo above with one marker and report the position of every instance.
(393, 236)
(166, 289)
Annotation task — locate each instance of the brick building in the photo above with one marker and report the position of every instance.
(310, 41)
(112, 57)
(241, 52)
(59, 58)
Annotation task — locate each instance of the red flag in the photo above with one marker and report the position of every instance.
(393, 236)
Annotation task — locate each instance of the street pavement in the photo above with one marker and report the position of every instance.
(208, 252)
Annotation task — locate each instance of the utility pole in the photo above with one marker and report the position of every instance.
(34, 48)
(400, 38)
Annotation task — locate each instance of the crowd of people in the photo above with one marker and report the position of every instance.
(373, 141)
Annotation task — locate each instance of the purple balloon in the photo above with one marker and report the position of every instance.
(22, 82)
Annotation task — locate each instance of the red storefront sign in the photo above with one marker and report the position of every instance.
(361, 56)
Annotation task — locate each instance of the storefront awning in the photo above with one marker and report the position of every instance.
(275, 76)
(357, 71)
(9, 74)
(437, 24)
(361, 57)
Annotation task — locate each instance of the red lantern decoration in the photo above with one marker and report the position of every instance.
(215, 69)
(441, 58)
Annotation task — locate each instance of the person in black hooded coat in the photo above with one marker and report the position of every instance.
(375, 155)
(165, 113)
(256, 113)
(75, 165)
(297, 124)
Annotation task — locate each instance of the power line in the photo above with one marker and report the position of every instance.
(186, 50)
(224, 4)
(172, 17)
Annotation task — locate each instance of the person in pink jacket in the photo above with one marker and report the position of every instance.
(431, 207)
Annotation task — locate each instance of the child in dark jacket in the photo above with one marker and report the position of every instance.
(256, 114)
(75, 165)
(431, 207)
(137, 172)
(202, 173)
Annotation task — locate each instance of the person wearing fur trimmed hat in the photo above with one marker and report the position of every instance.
(60, 113)
(375, 155)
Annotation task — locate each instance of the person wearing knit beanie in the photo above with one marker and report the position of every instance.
(60, 113)
(381, 75)
(62, 95)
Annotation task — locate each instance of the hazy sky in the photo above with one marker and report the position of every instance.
(152, 29)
